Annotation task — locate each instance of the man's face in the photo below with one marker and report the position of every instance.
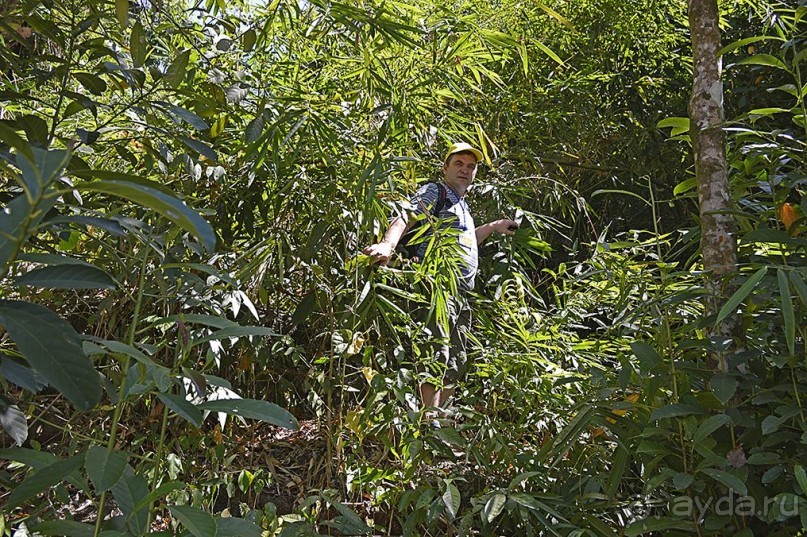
(459, 172)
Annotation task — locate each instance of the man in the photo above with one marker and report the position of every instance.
(459, 170)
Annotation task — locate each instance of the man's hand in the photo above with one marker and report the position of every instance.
(505, 226)
(379, 253)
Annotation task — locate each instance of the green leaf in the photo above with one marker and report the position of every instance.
(249, 38)
(799, 286)
(685, 186)
(253, 408)
(20, 374)
(198, 522)
(237, 527)
(72, 276)
(163, 490)
(657, 524)
(772, 235)
(200, 147)
(681, 480)
(675, 410)
(105, 468)
(744, 42)
(129, 492)
(767, 111)
(254, 129)
(801, 477)
(52, 259)
(66, 528)
(493, 507)
(91, 83)
(452, 499)
(679, 125)
(724, 386)
(166, 205)
(42, 480)
(727, 479)
(710, 425)
(122, 12)
(185, 115)
(39, 172)
(53, 349)
(647, 355)
(13, 422)
(787, 311)
(740, 295)
(182, 407)
(764, 59)
(554, 14)
(138, 45)
(236, 331)
(176, 71)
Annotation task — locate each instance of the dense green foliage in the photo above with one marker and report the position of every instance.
(185, 195)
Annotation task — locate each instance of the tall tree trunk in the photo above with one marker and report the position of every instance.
(718, 241)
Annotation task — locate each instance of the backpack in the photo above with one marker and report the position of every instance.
(405, 246)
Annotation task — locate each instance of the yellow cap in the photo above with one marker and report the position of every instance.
(459, 147)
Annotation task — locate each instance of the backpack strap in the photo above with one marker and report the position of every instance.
(442, 196)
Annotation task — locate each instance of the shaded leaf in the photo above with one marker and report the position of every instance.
(67, 528)
(675, 410)
(198, 522)
(53, 349)
(253, 408)
(105, 468)
(13, 422)
(740, 295)
(237, 527)
(176, 71)
(493, 507)
(69, 276)
(710, 425)
(724, 386)
(166, 205)
(129, 492)
(43, 479)
(182, 407)
(200, 147)
(727, 479)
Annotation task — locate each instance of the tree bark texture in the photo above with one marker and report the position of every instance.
(718, 229)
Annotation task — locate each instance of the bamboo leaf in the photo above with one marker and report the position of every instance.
(200, 147)
(176, 71)
(253, 408)
(493, 507)
(801, 477)
(138, 46)
(53, 349)
(765, 60)
(740, 295)
(724, 386)
(710, 425)
(69, 276)
(198, 522)
(13, 422)
(727, 479)
(657, 524)
(105, 468)
(43, 479)
(129, 492)
(122, 12)
(236, 331)
(166, 205)
(787, 311)
(68, 528)
(182, 407)
(236, 527)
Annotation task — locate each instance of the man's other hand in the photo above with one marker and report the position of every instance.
(379, 253)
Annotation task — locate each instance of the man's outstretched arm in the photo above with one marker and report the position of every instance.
(504, 226)
(382, 252)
